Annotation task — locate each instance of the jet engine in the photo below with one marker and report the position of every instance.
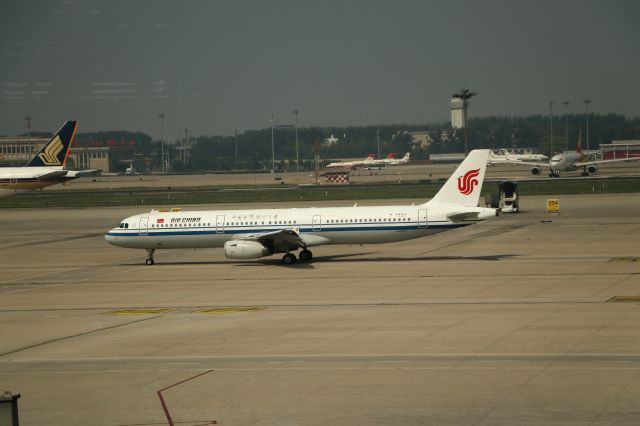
(592, 169)
(535, 171)
(244, 249)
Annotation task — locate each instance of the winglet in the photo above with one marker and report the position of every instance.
(465, 184)
(55, 152)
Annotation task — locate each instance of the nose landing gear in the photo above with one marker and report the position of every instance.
(150, 260)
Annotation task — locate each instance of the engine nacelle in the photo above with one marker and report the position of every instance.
(592, 169)
(535, 171)
(244, 249)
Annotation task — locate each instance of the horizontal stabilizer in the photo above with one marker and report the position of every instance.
(461, 217)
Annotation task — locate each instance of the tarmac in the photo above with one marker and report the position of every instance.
(531, 318)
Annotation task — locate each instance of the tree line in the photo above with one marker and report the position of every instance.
(251, 150)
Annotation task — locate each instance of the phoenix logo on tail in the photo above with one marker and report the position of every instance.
(467, 182)
(50, 154)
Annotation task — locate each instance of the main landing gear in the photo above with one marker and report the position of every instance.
(304, 256)
(150, 260)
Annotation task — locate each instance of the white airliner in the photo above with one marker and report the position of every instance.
(391, 160)
(569, 161)
(352, 164)
(397, 161)
(502, 156)
(46, 168)
(251, 234)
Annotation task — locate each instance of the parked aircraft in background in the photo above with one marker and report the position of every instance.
(251, 234)
(570, 161)
(45, 169)
(389, 161)
(398, 161)
(352, 164)
(501, 156)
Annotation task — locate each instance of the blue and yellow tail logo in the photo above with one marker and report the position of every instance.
(54, 152)
(50, 155)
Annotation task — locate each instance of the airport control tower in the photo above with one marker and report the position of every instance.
(457, 113)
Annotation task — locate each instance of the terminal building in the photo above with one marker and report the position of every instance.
(109, 155)
(620, 149)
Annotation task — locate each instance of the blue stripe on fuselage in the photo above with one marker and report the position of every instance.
(250, 230)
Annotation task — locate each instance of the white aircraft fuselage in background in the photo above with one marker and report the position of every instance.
(352, 164)
(504, 156)
(392, 161)
(250, 234)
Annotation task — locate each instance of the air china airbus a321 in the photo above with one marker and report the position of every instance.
(251, 234)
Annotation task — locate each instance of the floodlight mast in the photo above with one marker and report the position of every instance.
(161, 116)
(566, 125)
(586, 103)
(273, 155)
(296, 112)
(464, 95)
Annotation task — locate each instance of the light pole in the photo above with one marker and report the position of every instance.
(586, 103)
(235, 134)
(464, 95)
(273, 151)
(378, 137)
(296, 112)
(184, 146)
(28, 120)
(550, 129)
(566, 125)
(162, 140)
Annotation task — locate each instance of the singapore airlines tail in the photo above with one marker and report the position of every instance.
(465, 184)
(54, 153)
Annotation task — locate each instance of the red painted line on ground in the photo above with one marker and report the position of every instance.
(167, 413)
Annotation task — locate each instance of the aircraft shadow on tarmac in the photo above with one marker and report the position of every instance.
(340, 258)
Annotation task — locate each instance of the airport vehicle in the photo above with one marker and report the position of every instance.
(251, 234)
(502, 155)
(570, 161)
(45, 168)
(352, 164)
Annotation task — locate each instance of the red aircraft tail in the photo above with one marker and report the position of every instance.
(579, 147)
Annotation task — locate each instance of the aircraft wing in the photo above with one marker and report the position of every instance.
(72, 174)
(462, 216)
(53, 175)
(280, 236)
(286, 237)
(595, 162)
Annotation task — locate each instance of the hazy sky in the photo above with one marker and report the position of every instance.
(216, 66)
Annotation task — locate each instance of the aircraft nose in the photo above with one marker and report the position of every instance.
(111, 239)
